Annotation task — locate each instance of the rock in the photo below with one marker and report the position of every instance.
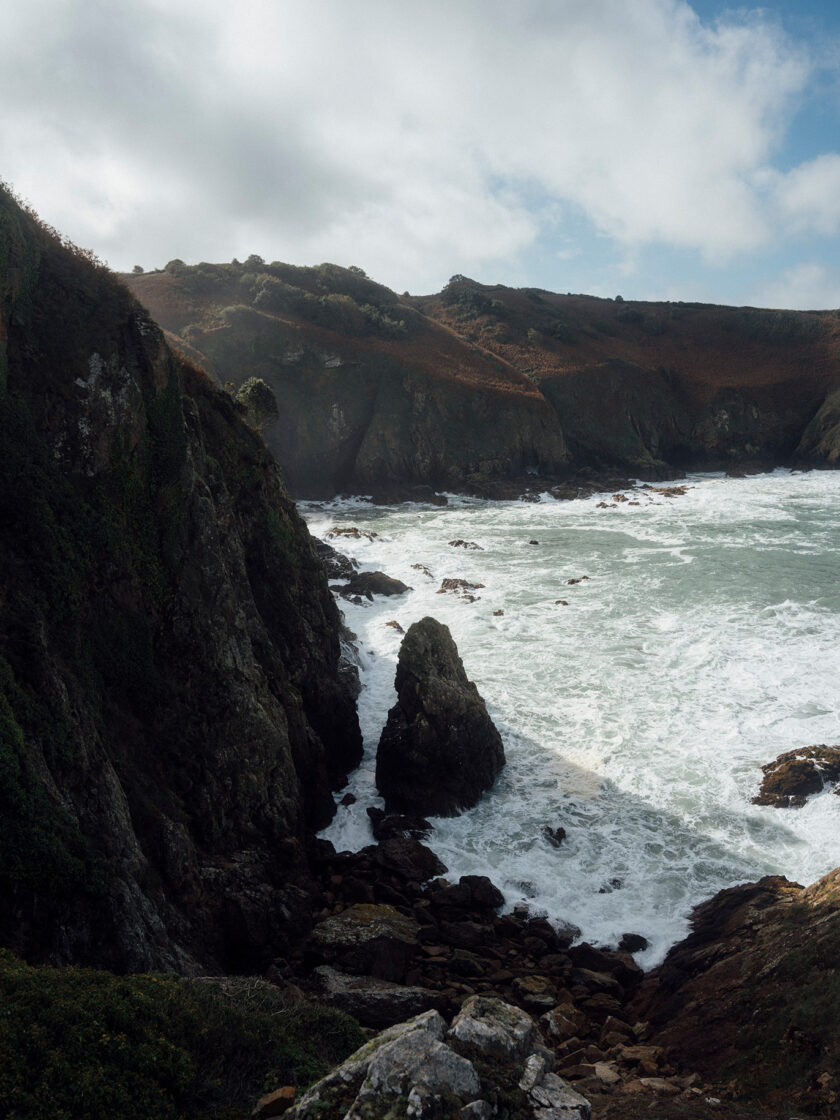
(533, 542)
(348, 799)
(373, 583)
(412, 860)
(439, 750)
(276, 1103)
(395, 626)
(374, 1002)
(375, 940)
(471, 545)
(536, 994)
(561, 602)
(555, 836)
(385, 825)
(633, 943)
(422, 568)
(795, 775)
(352, 532)
(498, 614)
(564, 1022)
(414, 1070)
(495, 1028)
(460, 587)
(338, 566)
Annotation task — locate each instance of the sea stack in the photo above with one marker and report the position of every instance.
(439, 750)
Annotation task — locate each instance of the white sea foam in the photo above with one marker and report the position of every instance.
(705, 642)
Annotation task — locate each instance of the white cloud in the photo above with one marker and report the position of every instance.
(408, 139)
(809, 286)
(809, 195)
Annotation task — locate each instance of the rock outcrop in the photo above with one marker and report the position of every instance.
(439, 749)
(749, 998)
(488, 1063)
(172, 717)
(794, 776)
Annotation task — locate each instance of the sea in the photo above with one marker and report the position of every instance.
(642, 655)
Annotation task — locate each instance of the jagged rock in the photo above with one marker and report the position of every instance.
(372, 583)
(385, 825)
(795, 775)
(258, 403)
(375, 940)
(374, 1002)
(337, 565)
(495, 1028)
(412, 860)
(439, 750)
(470, 545)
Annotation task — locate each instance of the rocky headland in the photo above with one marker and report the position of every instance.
(487, 389)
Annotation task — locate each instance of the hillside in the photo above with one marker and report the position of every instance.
(379, 392)
(171, 714)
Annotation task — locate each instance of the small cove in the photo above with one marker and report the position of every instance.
(705, 641)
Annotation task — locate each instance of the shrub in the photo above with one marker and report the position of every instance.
(82, 1045)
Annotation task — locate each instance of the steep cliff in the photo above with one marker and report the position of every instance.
(171, 714)
(480, 382)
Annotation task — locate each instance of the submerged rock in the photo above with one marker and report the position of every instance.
(439, 750)
(373, 583)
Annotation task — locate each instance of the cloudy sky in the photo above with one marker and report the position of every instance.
(659, 149)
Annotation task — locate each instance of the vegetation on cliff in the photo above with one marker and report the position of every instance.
(479, 383)
(93, 1046)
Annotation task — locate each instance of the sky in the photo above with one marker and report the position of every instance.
(656, 149)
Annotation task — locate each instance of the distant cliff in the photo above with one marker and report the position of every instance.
(379, 392)
(171, 714)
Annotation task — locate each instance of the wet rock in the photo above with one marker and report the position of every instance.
(385, 825)
(422, 568)
(533, 542)
(338, 565)
(470, 545)
(372, 583)
(439, 750)
(395, 626)
(498, 614)
(561, 602)
(633, 943)
(352, 532)
(376, 940)
(412, 860)
(459, 586)
(555, 836)
(795, 775)
(579, 579)
(348, 799)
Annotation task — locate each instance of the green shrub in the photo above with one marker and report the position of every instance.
(83, 1045)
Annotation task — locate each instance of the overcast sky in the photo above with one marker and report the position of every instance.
(654, 148)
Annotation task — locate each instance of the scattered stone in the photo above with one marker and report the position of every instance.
(471, 545)
(460, 587)
(579, 579)
(795, 775)
(422, 568)
(497, 1029)
(533, 542)
(498, 614)
(561, 602)
(439, 750)
(395, 626)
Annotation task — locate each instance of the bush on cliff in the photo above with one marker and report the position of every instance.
(83, 1045)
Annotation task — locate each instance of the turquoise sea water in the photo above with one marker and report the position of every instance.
(705, 641)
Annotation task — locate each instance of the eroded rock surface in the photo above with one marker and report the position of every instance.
(439, 750)
(795, 775)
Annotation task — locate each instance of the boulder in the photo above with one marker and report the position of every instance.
(416, 1069)
(376, 940)
(373, 1002)
(439, 750)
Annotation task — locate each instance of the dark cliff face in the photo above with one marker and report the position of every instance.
(482, 383)
(171, 714)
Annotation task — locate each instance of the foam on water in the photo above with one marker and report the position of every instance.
(705, 642)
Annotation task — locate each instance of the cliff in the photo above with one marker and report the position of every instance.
(171, 714)
(380, 393)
